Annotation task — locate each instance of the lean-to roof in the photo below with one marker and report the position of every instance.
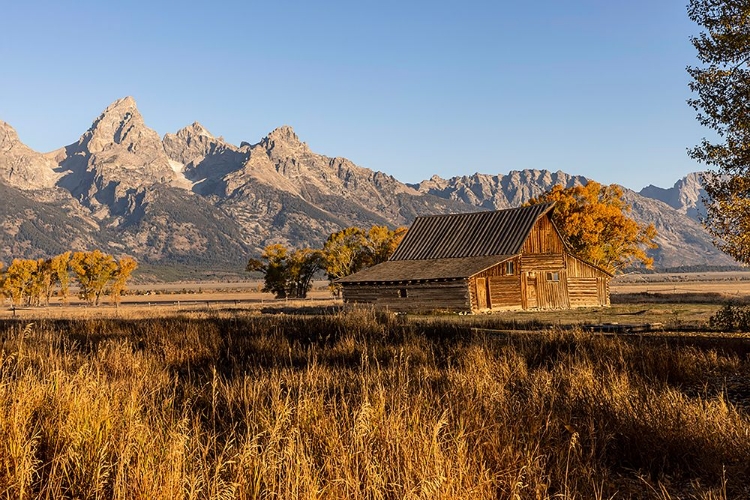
(434, 269)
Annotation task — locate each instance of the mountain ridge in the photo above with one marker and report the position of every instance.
(191, 197)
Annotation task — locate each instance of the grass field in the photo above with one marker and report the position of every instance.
(233, 403)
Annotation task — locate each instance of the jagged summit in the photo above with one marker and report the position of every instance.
(282, 138)
(21, 166)
(194, 130)
(119, 124)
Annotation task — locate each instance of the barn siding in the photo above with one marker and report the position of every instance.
(543, 239)
(588, 285)
(450, 295)
(503, 290)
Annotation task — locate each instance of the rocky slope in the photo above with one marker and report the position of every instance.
(686, 196)
(192, 198)
(22, 167)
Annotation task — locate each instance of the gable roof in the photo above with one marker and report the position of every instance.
(478, 234)
(455, 246)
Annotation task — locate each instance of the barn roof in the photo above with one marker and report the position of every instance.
(456, 245)
(478, 234)
(415, 270)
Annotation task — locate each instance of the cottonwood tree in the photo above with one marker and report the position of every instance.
(353, 249)
(722, 87)
(593, 220)
(125, 267)
(287, 274)
(52, 273)
(20, 281)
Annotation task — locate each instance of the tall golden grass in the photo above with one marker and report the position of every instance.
(359, 405)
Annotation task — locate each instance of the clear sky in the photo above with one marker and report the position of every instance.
(411, 88)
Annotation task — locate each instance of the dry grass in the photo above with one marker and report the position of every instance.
(359, 405)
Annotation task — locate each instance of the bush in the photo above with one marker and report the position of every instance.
(731, 317)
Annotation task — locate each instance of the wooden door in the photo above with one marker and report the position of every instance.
(481, 293)
(531, 295)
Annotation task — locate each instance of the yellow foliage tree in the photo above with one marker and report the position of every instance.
(353, 249)
(20, 282)
(125, 268)
(287, 274)
(593, 221)
(93, 270)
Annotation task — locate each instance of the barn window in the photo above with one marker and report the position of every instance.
(510, 268)
(402, 293)
(553, 276)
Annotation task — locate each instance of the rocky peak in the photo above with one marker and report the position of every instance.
(120, 124)
(686, 196)
(20, 166)
(282, 141)
(8, 137)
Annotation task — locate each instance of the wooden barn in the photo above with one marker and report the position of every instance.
(500, 260)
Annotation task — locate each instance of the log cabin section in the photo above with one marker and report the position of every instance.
(485, 261)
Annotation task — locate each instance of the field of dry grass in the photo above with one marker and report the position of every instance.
(363, 405)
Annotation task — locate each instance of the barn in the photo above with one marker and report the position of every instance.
(500, 260)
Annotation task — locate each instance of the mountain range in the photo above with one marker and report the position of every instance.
(193, 199)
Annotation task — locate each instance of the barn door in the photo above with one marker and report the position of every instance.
(481, 293)
(531, 293)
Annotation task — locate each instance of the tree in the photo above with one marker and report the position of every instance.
(93, 270)
(287, 274)
(20, 282)
(722, 85)
(125, 268)
(344, 251)
(381, 243)
(593, 220)
(352, 249)
(60, 265)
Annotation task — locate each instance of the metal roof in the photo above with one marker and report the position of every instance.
(414, 270)
(478, 234)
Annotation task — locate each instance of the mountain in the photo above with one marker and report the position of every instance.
(20, 166)
(191, 198)
(682, 240)
(686, 196)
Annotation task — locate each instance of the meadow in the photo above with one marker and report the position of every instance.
(327, 403)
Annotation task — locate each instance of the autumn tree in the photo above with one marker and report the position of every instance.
(353, 249)
(722, 88)
(93, 270)
(287, 274)
(20, 282)
(60, 266)
(593, 220)
(125, 267)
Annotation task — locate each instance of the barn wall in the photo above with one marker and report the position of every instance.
(543, 239)
(588, 285)
(448, 295)
(503, 290)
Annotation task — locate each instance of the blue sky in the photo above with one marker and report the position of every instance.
(409, 88)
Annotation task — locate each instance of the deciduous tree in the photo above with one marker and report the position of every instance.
(593, 220)
(125, 268)
(20, 282)
(353, 249)
(722, 88)
(93, 270)
(287, 274)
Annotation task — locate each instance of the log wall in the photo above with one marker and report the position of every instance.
(428, 296)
